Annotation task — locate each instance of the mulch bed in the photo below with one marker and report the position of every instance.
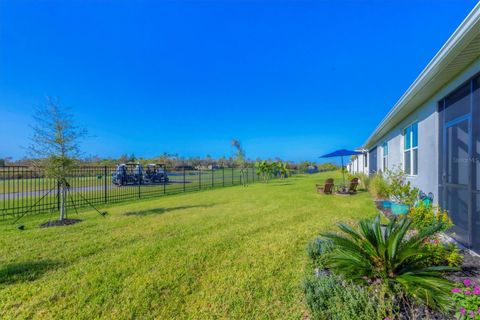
(59, 223)
(470, 268)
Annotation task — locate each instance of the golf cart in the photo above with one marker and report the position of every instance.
(128, 173)
(155, 173)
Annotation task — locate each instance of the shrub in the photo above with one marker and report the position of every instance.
(424, 216)
(372, 254)
(400, 190)
(442, 254)
(363, 180)
(379, 187)
(467, 300)
(329, 297)
(317, 248)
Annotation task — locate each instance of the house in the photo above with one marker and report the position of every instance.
(433, 131)
(359, 163)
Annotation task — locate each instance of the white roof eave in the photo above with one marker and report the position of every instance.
(467, 30)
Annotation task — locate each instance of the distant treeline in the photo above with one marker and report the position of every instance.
(174, 161)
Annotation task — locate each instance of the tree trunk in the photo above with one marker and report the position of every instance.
(63, 198)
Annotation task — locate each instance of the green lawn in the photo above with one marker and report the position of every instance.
(229, 253)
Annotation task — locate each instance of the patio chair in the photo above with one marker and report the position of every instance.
(353, 186)
(327, 188)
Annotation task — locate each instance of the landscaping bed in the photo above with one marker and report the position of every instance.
(402, 267)
(470, 267)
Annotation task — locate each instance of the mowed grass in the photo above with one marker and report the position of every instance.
(230, 253)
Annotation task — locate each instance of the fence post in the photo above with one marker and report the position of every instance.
(223, 176)
(183, 178)
(164, 179)
(233, 181)
(4, 177)
(212, 177)
(105, 183)
(139, 192)
(199, 178)
(58, 195)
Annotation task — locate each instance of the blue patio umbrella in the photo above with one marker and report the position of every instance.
(341, 153)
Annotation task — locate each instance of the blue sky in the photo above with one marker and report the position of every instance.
(293, 79)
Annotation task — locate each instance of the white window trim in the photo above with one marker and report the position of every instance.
(410, 149)
(385, 157)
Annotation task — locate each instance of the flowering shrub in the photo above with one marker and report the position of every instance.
(467, 300)
(424, 216)
(442, 254)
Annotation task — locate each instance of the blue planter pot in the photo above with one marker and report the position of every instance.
(399, 208)
(386, 204)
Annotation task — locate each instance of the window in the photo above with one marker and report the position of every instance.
(385, 155)
(410, 147)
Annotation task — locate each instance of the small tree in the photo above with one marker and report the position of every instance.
(240, 160)
(55, 142)
(399, 188)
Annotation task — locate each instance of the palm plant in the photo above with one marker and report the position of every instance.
(387, 256)
(284, 171)
(268, 170)
(275, 168)
(265, 169)
(262, 169)
(258, 167)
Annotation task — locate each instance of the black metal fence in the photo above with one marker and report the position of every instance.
(26, 190)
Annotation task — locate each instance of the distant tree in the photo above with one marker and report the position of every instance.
(2, 163)
(123, 158)
(329, 166)
(208, 161)
(132, 158)
(93, 159)
(55, 142)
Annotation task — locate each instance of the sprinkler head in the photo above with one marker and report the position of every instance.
(104, 213)
(21, 227)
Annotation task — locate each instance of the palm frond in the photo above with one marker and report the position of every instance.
(373, 253)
